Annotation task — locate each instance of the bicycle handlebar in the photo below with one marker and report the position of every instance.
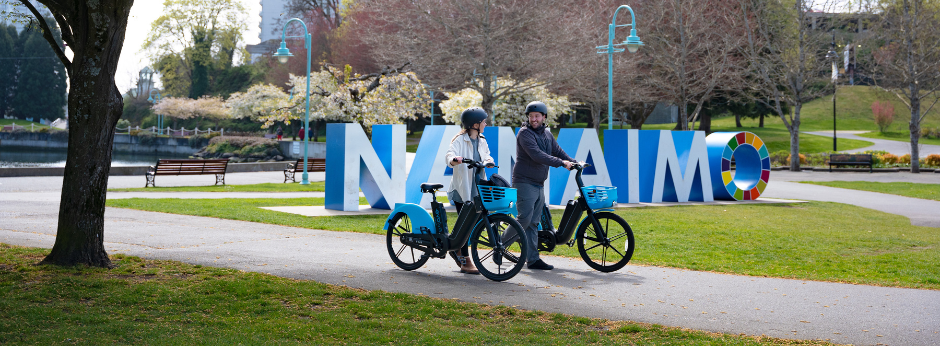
(477, 164)
(579, 165)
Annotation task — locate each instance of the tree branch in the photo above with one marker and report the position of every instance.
(47, 34)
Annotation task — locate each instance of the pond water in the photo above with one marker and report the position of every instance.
(56, 158)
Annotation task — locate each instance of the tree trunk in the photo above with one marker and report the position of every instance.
(914, 126)
(737, 119)
(795, 139)
(761, 121)
(95, 104)
(705, 122)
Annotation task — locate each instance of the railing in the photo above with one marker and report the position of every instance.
(182, 132)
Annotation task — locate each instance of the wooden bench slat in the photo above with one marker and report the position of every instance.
(215, 167)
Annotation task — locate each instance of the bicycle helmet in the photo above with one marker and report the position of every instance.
(472, 116)
(536, 106)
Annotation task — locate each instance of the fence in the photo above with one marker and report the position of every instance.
(182, 132)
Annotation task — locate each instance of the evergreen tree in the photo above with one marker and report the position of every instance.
(7, 67)
(40, 88)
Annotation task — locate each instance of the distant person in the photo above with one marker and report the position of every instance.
(301, 133)
(310, 134)
(280, 133)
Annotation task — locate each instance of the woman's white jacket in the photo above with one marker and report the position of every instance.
(461, 146)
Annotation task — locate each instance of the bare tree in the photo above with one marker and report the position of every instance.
(456, 44)
(786, 55)
(634, 99)
(908, 64)
(94, 31)
(693, 48)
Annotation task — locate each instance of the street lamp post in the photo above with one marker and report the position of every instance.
(159, 116)
(834, 56)
(282, 55)
(632, 42)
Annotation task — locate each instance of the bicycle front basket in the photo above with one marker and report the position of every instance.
(599, 196)
(497, 198)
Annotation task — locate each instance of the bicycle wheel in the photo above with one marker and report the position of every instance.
(493, 258)
(608, 249)
(404, 256)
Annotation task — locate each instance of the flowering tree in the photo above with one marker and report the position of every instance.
(508, 111)
(884, 114)
(388, 97)
(259, 102)
(185, 108)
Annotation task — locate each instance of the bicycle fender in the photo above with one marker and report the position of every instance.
(419, 217)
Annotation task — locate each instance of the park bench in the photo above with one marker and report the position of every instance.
(313, 165)
(850, 160)
(188, 167)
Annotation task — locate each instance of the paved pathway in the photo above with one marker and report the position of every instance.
(894, 147)
(783, 308)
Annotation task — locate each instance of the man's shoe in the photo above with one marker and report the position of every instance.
(541, 265)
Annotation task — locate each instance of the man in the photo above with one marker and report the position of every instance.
(536, 150)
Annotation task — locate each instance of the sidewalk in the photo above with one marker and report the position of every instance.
(895, 147)
(793, 309)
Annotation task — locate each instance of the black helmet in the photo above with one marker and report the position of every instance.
(536, 106)
(472, 116)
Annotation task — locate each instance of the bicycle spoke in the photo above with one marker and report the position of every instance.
(485, 257)
(590, 248)
(615, 250)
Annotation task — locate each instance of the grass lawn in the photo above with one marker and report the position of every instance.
(798, 241)
(899, 136)
(916, 190)
(317, 186)
(165, 302)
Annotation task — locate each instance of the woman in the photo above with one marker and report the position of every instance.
(471, 144)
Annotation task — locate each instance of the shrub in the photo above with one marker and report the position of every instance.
(44, 130)
(136, 132)
(802, 159)
(884, 114)
(779, 158)
(199, 141)
(932, 160)
(123, 124)
(889, 159)
(905, 159)
(243, 146)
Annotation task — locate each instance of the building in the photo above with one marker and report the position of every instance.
(273, 13)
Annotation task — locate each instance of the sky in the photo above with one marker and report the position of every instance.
(143, 14)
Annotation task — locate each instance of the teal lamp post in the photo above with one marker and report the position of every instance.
(159, 116)
(282, 55)
(632, 42)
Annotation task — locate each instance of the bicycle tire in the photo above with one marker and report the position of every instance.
(498, 265)
(601, 252)
(404, 256)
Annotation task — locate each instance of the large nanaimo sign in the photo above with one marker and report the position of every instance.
(646, 166)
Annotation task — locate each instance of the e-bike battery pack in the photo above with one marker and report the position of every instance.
(464, 225)
(569, 221)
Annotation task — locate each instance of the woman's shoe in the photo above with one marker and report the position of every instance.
(467, 267)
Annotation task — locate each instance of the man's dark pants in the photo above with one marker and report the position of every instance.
(530, 202)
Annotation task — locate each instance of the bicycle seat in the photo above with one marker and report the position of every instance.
(426, 187)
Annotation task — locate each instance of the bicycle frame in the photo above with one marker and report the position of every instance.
(568, 230)
(433, 237)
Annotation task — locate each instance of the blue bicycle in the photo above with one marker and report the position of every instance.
(413, 235)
